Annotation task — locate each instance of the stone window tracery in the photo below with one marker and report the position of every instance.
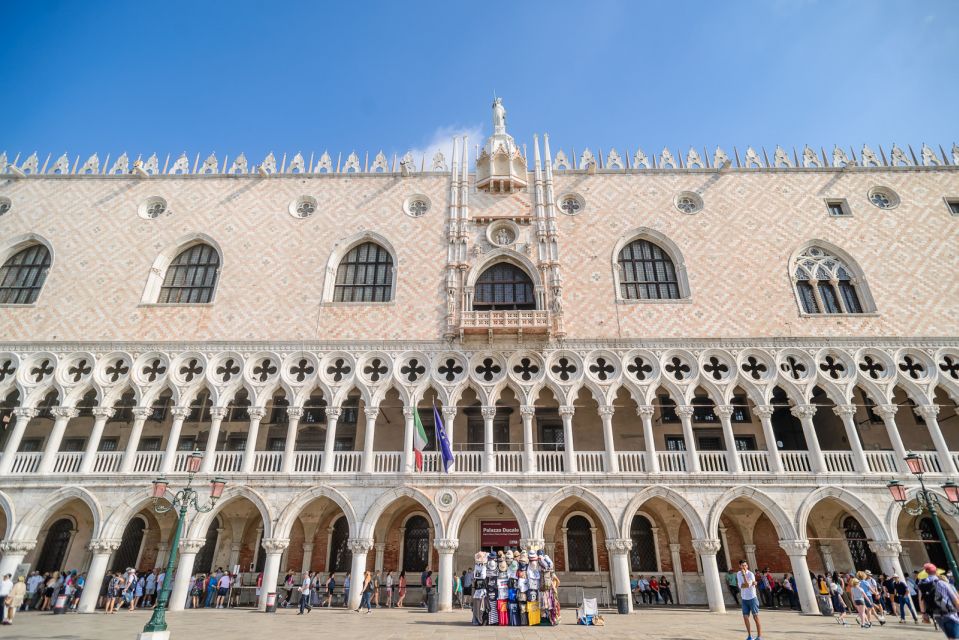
(825, 283)
(504, 286)
(364, 275)
(647, 272)
(883, 198)
(688, 202)
(23, 274)
(191, 277)
(579, 544)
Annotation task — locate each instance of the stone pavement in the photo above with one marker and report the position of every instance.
(414, 624)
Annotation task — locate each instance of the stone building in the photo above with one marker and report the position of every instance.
(645, 365)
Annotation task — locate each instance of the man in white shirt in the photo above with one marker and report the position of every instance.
(305, 591)
(6, 586)
(222, 589)
(746, 580)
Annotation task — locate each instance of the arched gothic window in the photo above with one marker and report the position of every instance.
(826, 284)
(54, 550)
(340, 555)
(862, 556)
(503, 287)
(203, 562)
(642, 557)
(646, 272)
(364, 275)
(416, 544)
(191, 277)
(23, 274)
(579, 544)
(129, 551)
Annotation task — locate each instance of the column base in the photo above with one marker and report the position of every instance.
(154, 635)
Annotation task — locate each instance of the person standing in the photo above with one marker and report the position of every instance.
(746, 581)
(389, 589)
(6, 586)
(467, 581)
(161, 578)
(14, 599)
(305, 590)
(222, 590)
(423, 586)
(402, 589)
(330, 588)
(458, 590)
(346, 590)
(938, 599)
(150, 589)
(733, 585)
(367, 593)
(903, 600)
(376, 589)
(835, 595)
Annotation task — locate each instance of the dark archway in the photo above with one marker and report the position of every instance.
(204, 557)
(642, 557)
(416, 544)
(129, 550)
(340, 555)
(55, 546)
(579, 544)
(862, 556)
(504, 287)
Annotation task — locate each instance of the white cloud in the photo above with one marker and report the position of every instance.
(442, 140)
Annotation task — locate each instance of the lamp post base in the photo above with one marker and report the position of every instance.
(153, 635)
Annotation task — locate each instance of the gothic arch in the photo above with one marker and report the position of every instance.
(894, 511)
(383, 502)
(695, 523)
(117, 520)
(343, 247)
(772, 509)
(591, 499)
(29, 527)
(856, 506)
(866, 300)
(504, 255)
(476, 496)
(202, 522)
(670, 248)
(18, 243)
(9, 515)
(151, 292)
(288, 516)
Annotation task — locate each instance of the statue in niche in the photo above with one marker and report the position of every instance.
(499, 116)
(503, 237)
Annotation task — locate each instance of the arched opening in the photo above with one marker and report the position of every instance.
(63, 539)
(416, 544)
(504, 287)
(340, 557)
(786, 427)
(643, 557)
(128, 553)
(365, 274)
(860, 552)
(204, 557)
(837, 531)
(53, 554)
(580, 544)
(920, 540)
(23, 274)
(191, 276)
(825, 283)
(646, 272)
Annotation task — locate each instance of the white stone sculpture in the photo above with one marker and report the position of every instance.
(499, 117)
(31, 164)
(839, 158)
(587, 160)
(720, 159)
(61, 166)
(613, 161)
(666, 159)
(560, 162)
(752, 159)
(781, 158)
(152, 165)
(239, 164)
(210, 165)
(269, 165)
(809, 158)
(121, 166)
(898, 157)
(693, 160)
(439, 162)
(181, 166)
(407, 164)
(92, 165)
(869, 158)
(352, 163)
(380, 163)
(325, 164)
(929, 157)
(297, 165)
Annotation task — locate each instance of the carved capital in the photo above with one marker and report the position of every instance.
(409, 412)
(527, 410)
(796, 547)
(645, 410)
(619, 545)
(567, 410)
(218, 413)
(675, 547)
(333, 414)
(707, 546)
(181, 412)
(449, 413)
(275, 545)
(17, 546)
(370, 411)
(104, 545)
(844, 410)
(928, 411)
(104, 413)
(886, 411)
(294, 413)
(886, 549)
(488, 413)
(765, 410)
(803, 411)
(26, 413)
(191, 545)
(607, 411)
(749, 548)
(64, 413)
(446, 545)
(360, 545)
(380, 547)
(256, 413)
(685, 411)
(142, 413)
(724, 411)
(532, 544)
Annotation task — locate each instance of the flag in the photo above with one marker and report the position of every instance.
(419, 439)
(443, 443)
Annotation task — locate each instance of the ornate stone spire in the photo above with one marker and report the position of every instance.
(501, 166)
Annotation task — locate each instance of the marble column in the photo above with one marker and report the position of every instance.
(380, 549)
(62, 416)
(289, 446)
(847, 413)
(209, 458)
(685, 413)
(619, 564)
(805, 412)
(888, 555)
(528, 412)
(489, 455)
(101, 415)
(707, 549)
(569, 450)
(13, 552)
(307, 557)
(24, 416)
(725, 413)
(360, 547)
(645, 413)
(765, 412)
(173, 440)
(679, 590)
(750, 550)
(446, 548)
(274, 548)
(409, 425)
(332, 415)
(252, 435)
(606, 416)
(929, 413)
(888, 414)
(101, 550)
(184, 571)
(369, 434)
(796, 550)
(140, 415)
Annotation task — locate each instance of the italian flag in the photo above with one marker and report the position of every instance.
(419, 440)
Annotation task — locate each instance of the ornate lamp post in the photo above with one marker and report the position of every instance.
(183, 500)
(929, 502)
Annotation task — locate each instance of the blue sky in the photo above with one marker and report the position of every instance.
(258, 76)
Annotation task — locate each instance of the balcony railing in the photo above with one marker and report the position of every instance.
(672, 461)
(108, 462)
(632, 461)
(839, 461)
(754, 461)
(591, 461)
(307, 461)
(68, 462)
(26, 462)
(713, 461)
(504, 321)
(147, 461)
(550, 461)
(509, 462)
(268, 462)
(387, 462)
(882, 461)
(795, 461)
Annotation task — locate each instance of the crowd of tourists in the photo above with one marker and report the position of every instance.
(651, 590)
(378, 589)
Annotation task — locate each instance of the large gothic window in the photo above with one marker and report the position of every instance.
(503, 287)
(191, 277)
(862, 556)
(129, 551)
(23, 274)
(416, 544)
(579, 544)
(646, 272)
(642, 557)
(340, 554)
(54, 550)
(364, 275)
(826, 284)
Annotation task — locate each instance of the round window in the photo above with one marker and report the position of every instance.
(416, 205)
(571, 204)
(688, 202)
(152, 208)
(883, 197)
(303, 207)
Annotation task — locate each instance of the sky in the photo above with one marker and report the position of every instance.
(209, 76)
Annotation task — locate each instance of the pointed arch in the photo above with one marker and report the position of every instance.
(202, 522)
(693, 521)
(134, 503)
(386, 265)
(595, 503)
(25, 262)
(29, 527)
(778, 516)
(827, 280)
(873, 525)
(380, 505)
(291, 512)
(207, 266)
(9, 515)
(478, 495)
(508, 256)
(644, 248)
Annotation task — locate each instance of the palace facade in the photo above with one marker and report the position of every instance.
(645, 365)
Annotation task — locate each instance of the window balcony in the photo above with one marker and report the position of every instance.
(505, 322)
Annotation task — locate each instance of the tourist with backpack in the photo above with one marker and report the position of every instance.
(938, 600)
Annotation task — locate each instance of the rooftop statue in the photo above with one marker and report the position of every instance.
(499, 116)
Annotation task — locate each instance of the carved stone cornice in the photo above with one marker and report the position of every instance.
(104, 545)
(64, 413)
(607, 410)
(275, 545)
(707, 546)
(796, 547)
(17, 546)
(256, 413)
(488, 413)
(27, 413)
(567, 410)
(803, 411)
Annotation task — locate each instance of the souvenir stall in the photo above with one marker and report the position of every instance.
(514, 588)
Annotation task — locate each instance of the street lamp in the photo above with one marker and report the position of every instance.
(183, 500)
(929, 502)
